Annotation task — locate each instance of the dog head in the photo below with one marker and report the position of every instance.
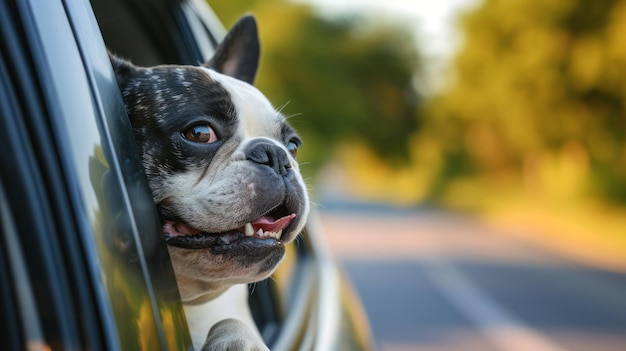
(221, 164)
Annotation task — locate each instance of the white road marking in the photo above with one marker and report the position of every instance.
(498, 325)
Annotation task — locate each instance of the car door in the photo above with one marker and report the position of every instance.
(80, 263)
(306, 304)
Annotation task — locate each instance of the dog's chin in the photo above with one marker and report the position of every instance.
(208, 263)
(205, 273)
(231, 256)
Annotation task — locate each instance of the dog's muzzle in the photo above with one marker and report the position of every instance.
(267, 153)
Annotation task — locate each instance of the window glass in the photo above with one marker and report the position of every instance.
(133, 264)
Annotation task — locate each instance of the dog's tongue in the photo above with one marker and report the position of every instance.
(269, 224)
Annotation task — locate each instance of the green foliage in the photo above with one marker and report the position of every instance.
(340, 80)
(539, 80)
(536, 104)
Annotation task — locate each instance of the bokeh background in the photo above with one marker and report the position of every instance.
(527, 118)
(485, 135)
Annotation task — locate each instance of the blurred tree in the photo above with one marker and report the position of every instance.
(340, 79)
(537, 83)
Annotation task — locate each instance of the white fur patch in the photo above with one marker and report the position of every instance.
(256, 114)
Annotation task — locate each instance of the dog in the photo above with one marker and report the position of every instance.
(221, 163)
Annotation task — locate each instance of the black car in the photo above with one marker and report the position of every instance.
(80, 263)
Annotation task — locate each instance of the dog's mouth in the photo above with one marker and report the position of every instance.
(268, 227)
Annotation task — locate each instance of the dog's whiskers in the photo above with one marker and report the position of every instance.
(317, 205)
(280, 108)
(293, 115)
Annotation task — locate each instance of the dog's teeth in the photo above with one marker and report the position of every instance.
(274, 235)
(249, 230)
(260, 232)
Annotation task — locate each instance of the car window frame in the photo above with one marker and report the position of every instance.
(34, 182)
(50, 193)
(124, 157)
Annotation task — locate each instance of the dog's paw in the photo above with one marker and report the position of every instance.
(233, 335)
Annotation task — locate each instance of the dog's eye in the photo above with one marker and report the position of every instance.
(202, 133)
(292, 146)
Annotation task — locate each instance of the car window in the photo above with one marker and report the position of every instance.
(16, 292)
(130, 244)
(205, 28)
(75, 191)
(145, 32)
(30, 222)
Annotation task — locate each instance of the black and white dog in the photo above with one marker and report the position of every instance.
(221, 164)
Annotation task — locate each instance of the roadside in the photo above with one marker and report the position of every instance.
(587, 234)
(436, 281)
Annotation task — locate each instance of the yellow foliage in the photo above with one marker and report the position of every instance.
(532, 125)
(586, 62)
(371, 178)
(280, 23)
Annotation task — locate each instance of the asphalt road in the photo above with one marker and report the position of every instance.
(435, 282)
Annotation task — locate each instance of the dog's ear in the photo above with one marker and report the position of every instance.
(238, 54)
(123, 69)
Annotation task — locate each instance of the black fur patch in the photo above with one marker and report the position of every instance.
(164, 101)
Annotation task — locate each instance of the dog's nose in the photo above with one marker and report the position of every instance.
(266, 153)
